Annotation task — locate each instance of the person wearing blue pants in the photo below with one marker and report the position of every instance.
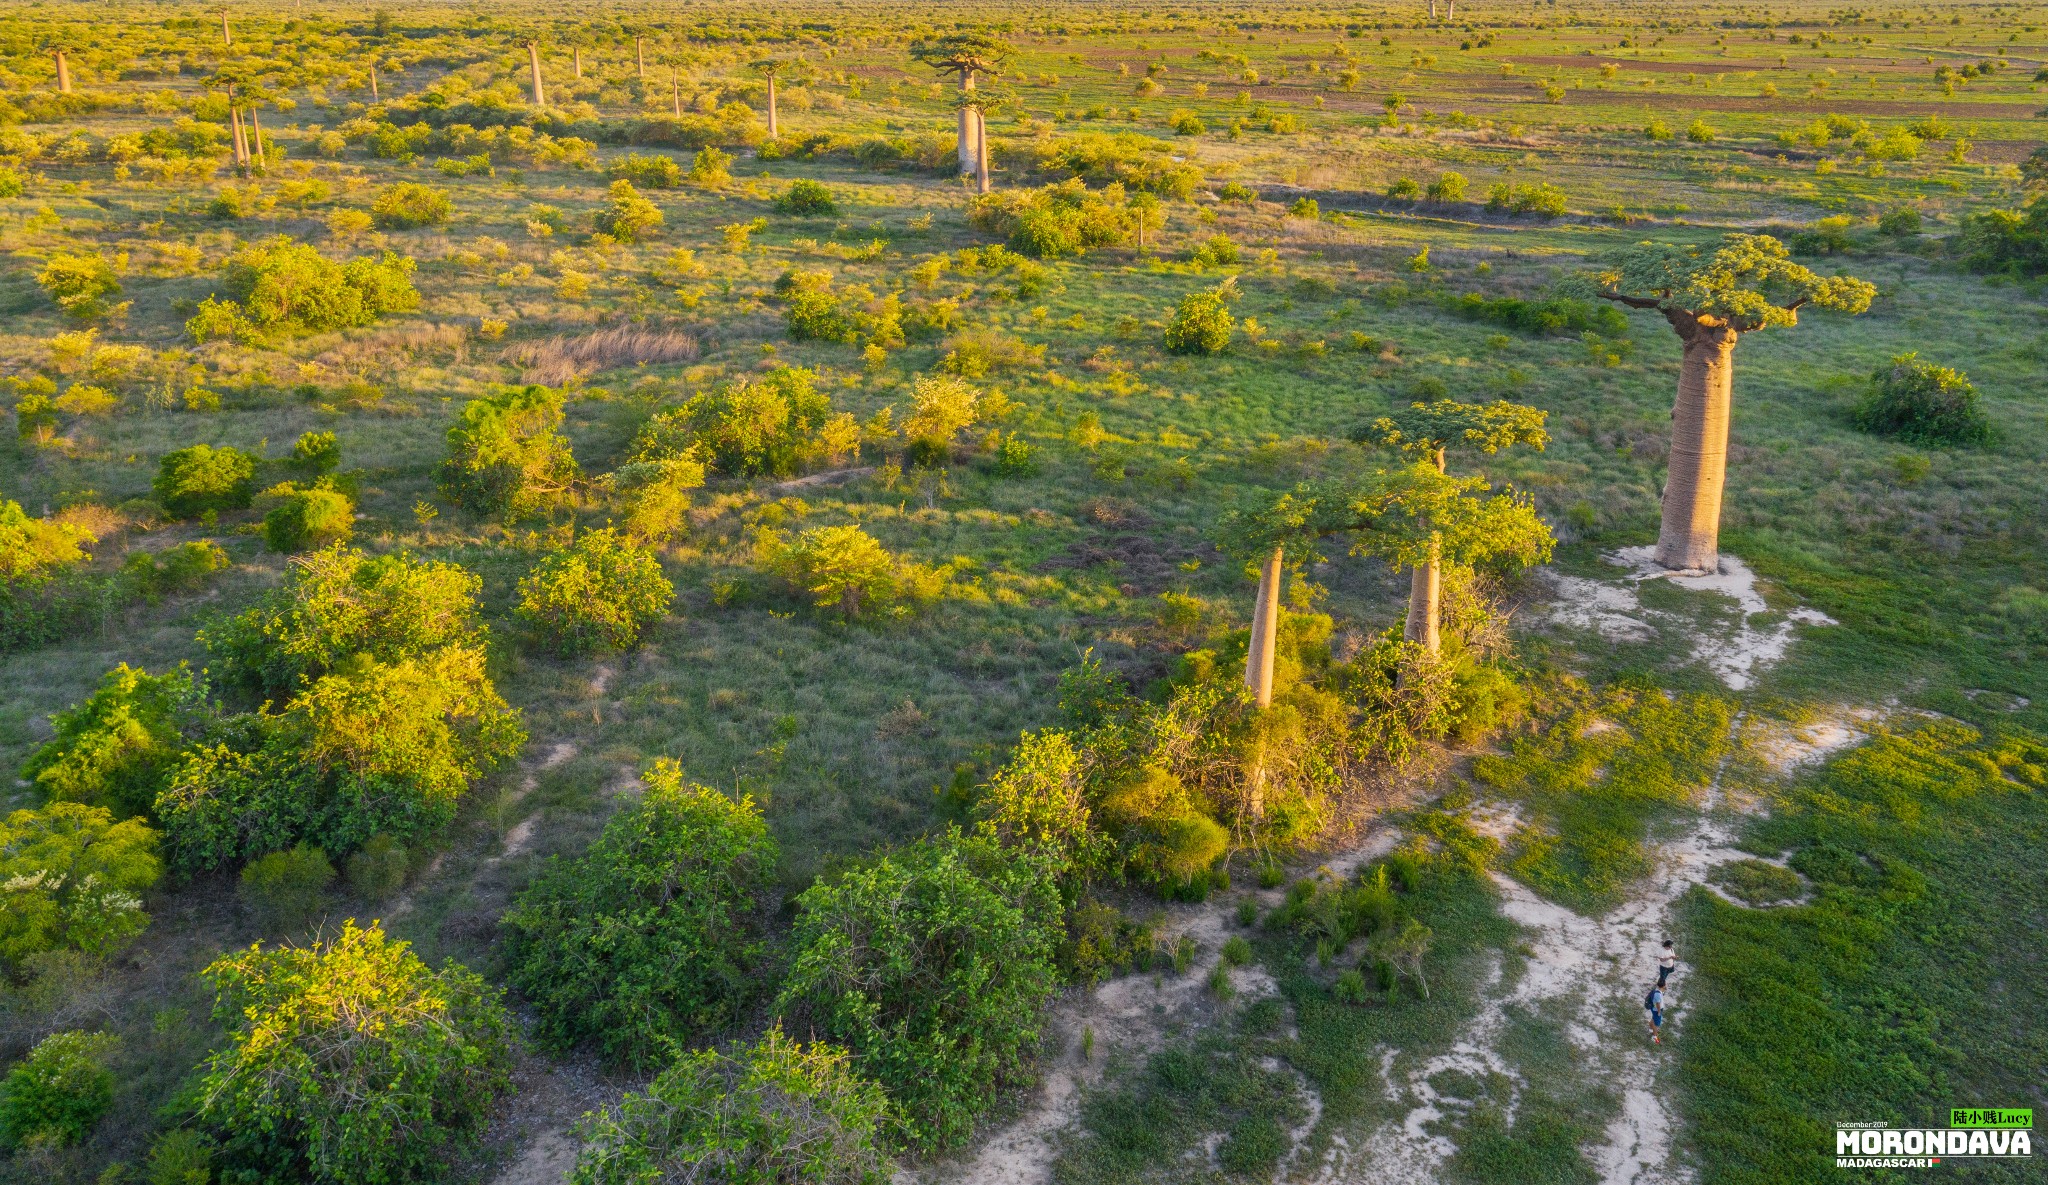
(1654, 1003)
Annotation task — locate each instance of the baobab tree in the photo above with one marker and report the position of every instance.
(1287, 526)
(981, 103)
(768, 68)
(1425, 431)
(540, 96)
(968, 55)
(1712, 295)
(63, 70)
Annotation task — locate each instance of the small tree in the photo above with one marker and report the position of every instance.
(307, 517)
(71, 878)
(806, 199)
(53, 1097)
(629, 218)
(1425, 431)
(775, 1111)
(116, 749)
(350, 1061)
(931, 964)
(1923, 403)
(653, 935)
(507, 454)
(81, 285)
(192, 481)
(942, 406)
(768, 68)
(746, 428)
(410, 205)
(845, 567)
(594, 595)
(1712, 296)
(1202, 324)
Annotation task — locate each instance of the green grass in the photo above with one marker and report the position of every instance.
(1894, 994)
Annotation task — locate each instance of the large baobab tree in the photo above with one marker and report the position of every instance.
(1290, 523)
(981, 103)
(968, 55)
(1425, 431)
(540, 95)
(768, 68)
(1712, 295)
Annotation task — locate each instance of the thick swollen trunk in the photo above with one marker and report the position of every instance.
(773, 129)
(1425, 606)
(540, 96)
(1258, 662)
(970, 128)
(63, 74)
(1690, 537)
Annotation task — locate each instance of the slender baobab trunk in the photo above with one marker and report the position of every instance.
(373, 84)
(579, 61)
(256, 138)
(1432, 9)
(981, 183)
(540, 96)
(675, 92)
(1450, 14)
(63, 74)
(241, 138)
(1698, 466)
(970, 125)
(773, 129)
(225, 37)
(1258, 662)
(1426, 595)
(640, 56)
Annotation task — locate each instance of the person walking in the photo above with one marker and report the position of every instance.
(1666, 963)
(1654, 1004)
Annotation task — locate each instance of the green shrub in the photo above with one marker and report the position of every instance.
(408, 205)
(709, 167)
(1448, 187)
(339, 603)
(117, 749)
(1405, 189)
(286, 889)
(942, 406)
(1215, 251)
(179, 569)
(844, 567)
(180, 1156)
(1202, 324)
(283, 285)
(36, 548)
(655, 934)
(349, 1062)
(750, 427)
(1016, 457)
(308, 517)
(192, 481)
(596, 594)
(654, 172)
(81, 285)
(2014, 241)
(1059, 220)
(1305, 207)
(55, 1095)
(1237, 191)
(1540, 198)
(931, 964)
(74, 881)
(1923, 403)
(775, 1111)
(806, 199)
(44, 595)
(1699, 133)
(377, 872)
(1185, 123)
(316, 454)
(507, 454)
(629, 218)
(11, 184)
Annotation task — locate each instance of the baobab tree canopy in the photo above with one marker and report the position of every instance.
(1427, 429)
(1747, 282)
(1417, 514)
(965, 54)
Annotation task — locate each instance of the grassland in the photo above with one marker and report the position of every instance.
(1930, 561)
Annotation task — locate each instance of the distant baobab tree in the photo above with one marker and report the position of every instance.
(540, 96)
(768, 68)
(967, 55)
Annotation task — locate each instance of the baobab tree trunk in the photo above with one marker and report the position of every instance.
(373, 84)
(540, 96)
(1426, 593)
(1258, 662)
(225, 37)
(1698, 468)
(1432, 9)
(63, 74)
(256, 138)
(241, 138)
(579, 61)
(1450, 14)
(773, 131)
(981, 181)
(970, 124)
(675, 92)
(640, 56)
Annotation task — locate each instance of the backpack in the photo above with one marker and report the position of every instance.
(1649, 999)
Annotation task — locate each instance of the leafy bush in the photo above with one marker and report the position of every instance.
(595, 594)
(1185, 123)
(316, 454)
(1923, 403)
(1059, 220)
(1540, 198)
(655, 172)
(629, 218)
(845, 567)
(1202, 324)
(1237, 191)
(71, 878)
(771, 425)
(1448, 187)
(931, 964)
(282, 285)
(942, 406)
(1015, 457)
(806, 199)
(55, 1095)
(775, 1111)
(117, 748)
(377, 872)
(192, 481)
(1214, 251)
(307, 517)
(43, 593)
(180, 1156)
(350, 1061)
(653, 935)
(710, 167)
(179, 569)
(507, 454)
(285, 889)
(408, 205)
(853, 315)
(80, 284)
(2014, 241)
